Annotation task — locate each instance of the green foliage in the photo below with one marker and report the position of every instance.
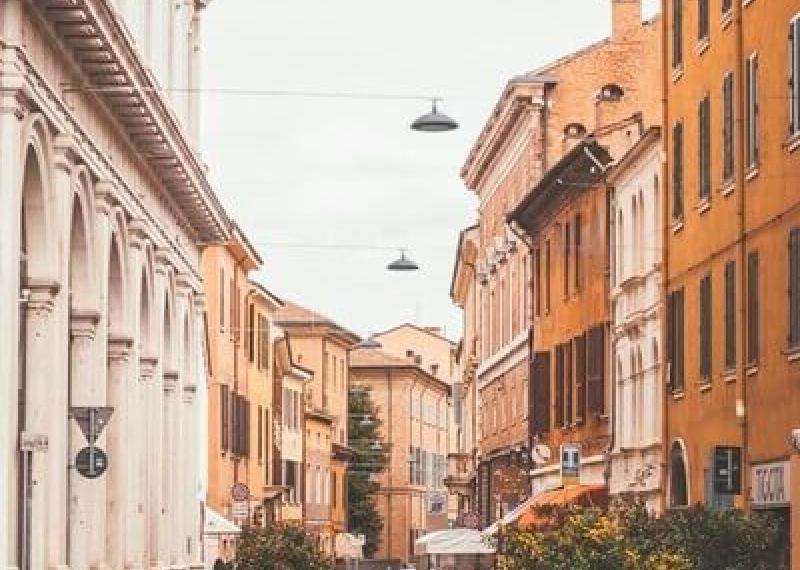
(370, 457)
(628, 538)
(279, 547)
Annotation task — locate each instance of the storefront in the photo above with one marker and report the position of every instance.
(772, 491)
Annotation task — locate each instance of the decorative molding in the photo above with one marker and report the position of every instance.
(119, 348)
(147, 367)
(83, 323)
(41, 295)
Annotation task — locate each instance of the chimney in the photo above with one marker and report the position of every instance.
(626, 16)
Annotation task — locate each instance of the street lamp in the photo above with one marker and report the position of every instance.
(369, 342)
(434, 122)
(403, 263)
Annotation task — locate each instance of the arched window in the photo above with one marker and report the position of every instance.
(575, 131)
(678, 485)
(620, 248)
(611, 92)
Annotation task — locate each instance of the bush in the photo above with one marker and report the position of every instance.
(279, 547)
(627, 537)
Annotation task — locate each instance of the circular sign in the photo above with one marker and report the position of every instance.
(91, 462)
(240, 492)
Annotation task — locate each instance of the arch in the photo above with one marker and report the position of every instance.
(81, 259)
(678, 475)
(186, 365)
(37, 219)
(115, 312)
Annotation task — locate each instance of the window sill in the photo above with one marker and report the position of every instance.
(752, 369)
(677, 73)
(746, 2)
(703, 206)
(677, 225)
(752, 172)
(728, 187)
(727, 19)
(729, 376)
(678, 395)
(702, 46)
(705, 385)
(792, 142)
(792, 353)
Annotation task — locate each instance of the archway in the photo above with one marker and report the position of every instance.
(678, 480)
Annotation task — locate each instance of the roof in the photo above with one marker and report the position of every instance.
(293, 315)
(462, 241)
(649, 139)
(425, 330)
(376, 358)
(271, 297)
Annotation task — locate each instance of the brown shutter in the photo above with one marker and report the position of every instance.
(730, 315)
(705, 328)
(752, 308)
(677, 33)
(580, 378)
(678, 342)
(569, 383)
(677, 171)
(596, 362)
(794, 287)
(578, 250)
(224, 412)
(559, 418)
(539, 396)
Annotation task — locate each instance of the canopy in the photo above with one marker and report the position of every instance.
(455, 541)
(525, 514)
(215, 524)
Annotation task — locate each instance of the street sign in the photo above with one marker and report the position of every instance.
(91, 462)
(91, 420)
(570, 464)
(240, 492)
(240, 509)
(32, 441)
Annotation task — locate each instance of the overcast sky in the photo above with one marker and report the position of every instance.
(340, 172)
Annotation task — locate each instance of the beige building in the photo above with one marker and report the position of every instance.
(322, 346)
(103, 207)
(412, 407)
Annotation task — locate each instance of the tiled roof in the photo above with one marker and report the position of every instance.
(291, 312)
(375, 357)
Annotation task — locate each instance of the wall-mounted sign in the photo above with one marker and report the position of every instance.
(771, 484)
(570, 464)
(32, 441)
(91, 462)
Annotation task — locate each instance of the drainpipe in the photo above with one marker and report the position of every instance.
(663, 294)
(611, 229)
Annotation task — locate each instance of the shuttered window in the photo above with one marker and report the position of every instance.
(727, 6)
(251, 332)
(224, 416)
(677, 171)
(547, 277)
(704, 147)
(540, 404)
(578, 247)
(794, 75)
(702, 19)
(794, 288)
(753, 310)
(260, 434)
(596, 370)
(727, 127)
(221, 298)
(730, 315)
(676, 341)
(567, 253)
(677, 33)
(580, 378)
(569, 384)
(537, 271)
(560, 364)
(705, 328)
(752, 110)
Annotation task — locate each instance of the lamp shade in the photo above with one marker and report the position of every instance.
(434, 122)
(402, 264)
(369, 343)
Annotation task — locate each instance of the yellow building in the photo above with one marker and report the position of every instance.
(322, 346)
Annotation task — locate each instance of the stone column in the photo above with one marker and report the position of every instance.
(38, 376)
(12, 113)
(117, 447)
(169, 430)
(188, 490)
(83, 326)
(142, 442)
(155, 511)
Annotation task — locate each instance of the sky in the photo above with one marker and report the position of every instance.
(349, 175)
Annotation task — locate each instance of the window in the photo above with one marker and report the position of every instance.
(537, 270)
(727, 127)
(221, 298)
(794, 75)
(250, 336)
(753, 347)
(578, 244)
(574, 131)
(560, 364)
(730, 315)
(569, 383)
(611, 92)
(224, 408)
(541, 393)
(705, 328)
(580, 378)
(727, 6)
(260, 434)
(676, 343)
(677, 33)
(751, 109)
(677, 171)
(547, 277)
(702, 19)
(596, 370)
(567, 252)
(678, 489)
(620, 247)
(704, 147)
(794, 288)
(266, 445)
(334, 489)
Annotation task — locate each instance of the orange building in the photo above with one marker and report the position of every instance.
(540, 116)
(321, 346)
(225, 275)
(732, 265)
(412, 408)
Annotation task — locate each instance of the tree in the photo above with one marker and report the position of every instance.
(279, 547)
(370, 458)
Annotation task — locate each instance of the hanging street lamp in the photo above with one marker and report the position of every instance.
(434, 122)
(403, 263)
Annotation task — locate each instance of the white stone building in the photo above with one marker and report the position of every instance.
(636, 459)
(103, 207)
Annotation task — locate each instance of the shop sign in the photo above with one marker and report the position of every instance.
(771, 484)
(570, 464)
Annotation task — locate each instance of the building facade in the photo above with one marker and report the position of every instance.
(322, 346)
(540, 116)
(103, 207)
(731, 266)
(412, 409)
(636, 322)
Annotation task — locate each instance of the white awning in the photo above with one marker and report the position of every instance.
(455, 541)
(215, 524)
